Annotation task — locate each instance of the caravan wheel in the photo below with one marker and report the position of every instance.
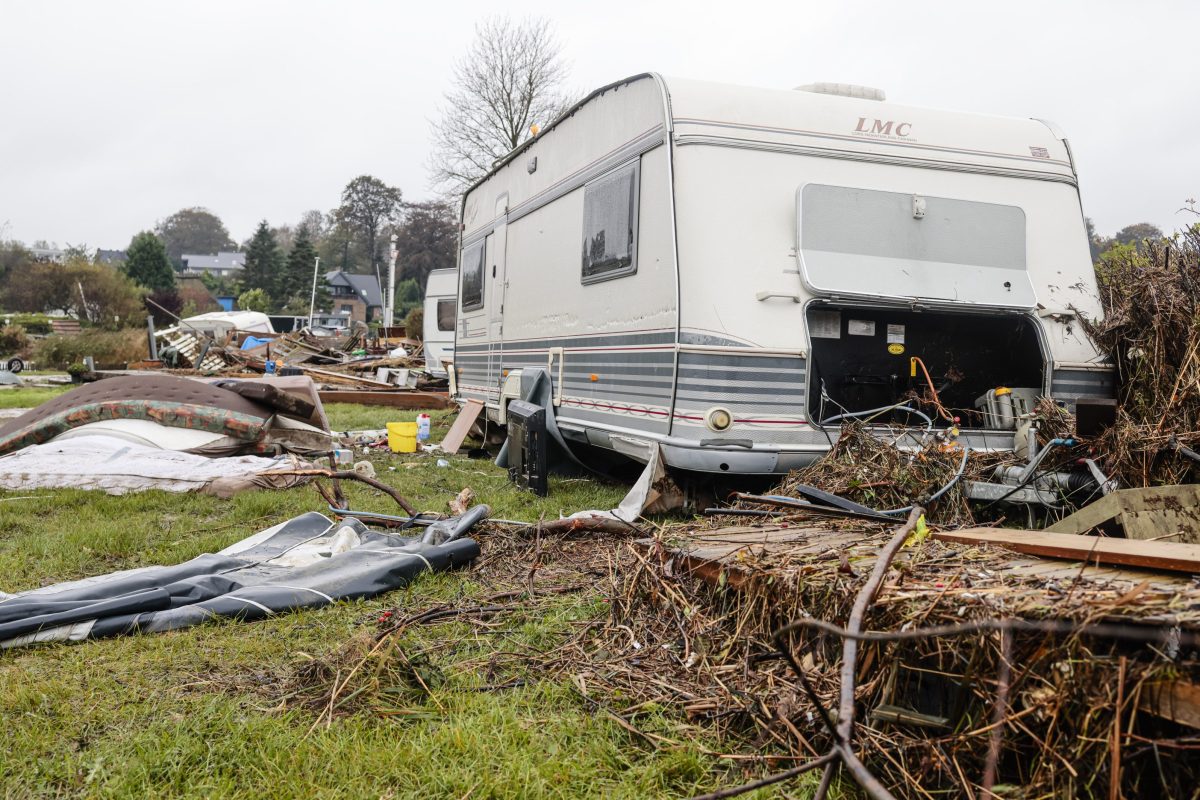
(15, 365)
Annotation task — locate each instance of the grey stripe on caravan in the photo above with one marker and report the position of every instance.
(662, 398)
(745, 362)
(647, 372)
(626, 338)
(598, 390)
(628, 151)
(753, 386)
(620, 379)
(568, 414)
(746, 397)
(859, 139)
(744, 376)
(708, 340)
(582, 361)
(820, 152)
(698, 402)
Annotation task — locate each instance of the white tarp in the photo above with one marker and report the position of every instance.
(118, 466)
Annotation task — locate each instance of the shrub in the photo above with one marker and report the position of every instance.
(414, 323)
(109, 349)
(253, 300)
(36, 324)
(13, 340)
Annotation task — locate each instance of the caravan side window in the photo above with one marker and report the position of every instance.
(472, 277)
(610, 213)
(445, 314)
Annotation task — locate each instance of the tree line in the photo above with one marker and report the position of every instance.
(279, 260)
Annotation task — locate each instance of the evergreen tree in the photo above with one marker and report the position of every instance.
(264, 263)
(146, 262)
(298, 271)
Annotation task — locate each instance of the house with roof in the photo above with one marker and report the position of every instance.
(356, 296)
(110, 257)
(221, 265)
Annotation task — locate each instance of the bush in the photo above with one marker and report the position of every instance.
(110, 349)
(414, 323)
(36, 324)
(13, 340)
(253, 300)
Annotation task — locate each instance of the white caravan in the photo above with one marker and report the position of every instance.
(723, 270)
(437, 335)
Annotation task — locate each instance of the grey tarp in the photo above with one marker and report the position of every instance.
(306, 562)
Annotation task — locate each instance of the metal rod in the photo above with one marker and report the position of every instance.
(312, 301)
(803, 505)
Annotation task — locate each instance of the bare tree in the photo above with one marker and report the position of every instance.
(511, 78)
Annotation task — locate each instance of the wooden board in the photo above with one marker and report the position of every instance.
(1178, 701)
(1093, 549)
(398, 399)
(462, 426)
(1151, 513)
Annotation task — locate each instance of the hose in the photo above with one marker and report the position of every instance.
(869, 412)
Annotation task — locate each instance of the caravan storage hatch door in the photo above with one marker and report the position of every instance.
(865, 242)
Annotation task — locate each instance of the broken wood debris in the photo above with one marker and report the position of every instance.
(353, 366)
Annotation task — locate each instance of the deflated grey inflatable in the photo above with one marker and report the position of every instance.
(305, 562)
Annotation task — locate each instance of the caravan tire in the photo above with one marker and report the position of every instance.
(15, 365)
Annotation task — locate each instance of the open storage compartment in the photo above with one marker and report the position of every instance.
(861, 358)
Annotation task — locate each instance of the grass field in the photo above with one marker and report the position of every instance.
(202, 712)
(27, 396)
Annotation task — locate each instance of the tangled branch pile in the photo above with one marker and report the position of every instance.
(870, 470)
(1073, 706)
(1151, 332)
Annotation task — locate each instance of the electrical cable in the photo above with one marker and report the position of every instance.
(880, 410)
(937, 403)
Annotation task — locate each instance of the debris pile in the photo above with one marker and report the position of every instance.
(351, 361)
(870, 470)
(1151, 332)
(1047, 709)
(154, 431)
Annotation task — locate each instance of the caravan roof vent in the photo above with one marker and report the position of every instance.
(845, 90)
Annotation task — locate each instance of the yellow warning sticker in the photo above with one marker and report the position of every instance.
(896, 349)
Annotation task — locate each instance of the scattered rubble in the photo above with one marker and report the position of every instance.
(351, 362)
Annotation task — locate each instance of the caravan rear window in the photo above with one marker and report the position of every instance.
(610, 212)
(445, 315)
(472, 278)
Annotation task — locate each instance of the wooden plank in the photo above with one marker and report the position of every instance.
(1093, 549)
(401, 399)
(1155, 512)
(1178, 701)
(462, 426)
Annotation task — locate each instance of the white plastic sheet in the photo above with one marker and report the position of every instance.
(118, 466)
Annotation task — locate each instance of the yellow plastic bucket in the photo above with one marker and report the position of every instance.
(402, 437)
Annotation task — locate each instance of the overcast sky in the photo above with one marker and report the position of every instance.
(116, 114)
